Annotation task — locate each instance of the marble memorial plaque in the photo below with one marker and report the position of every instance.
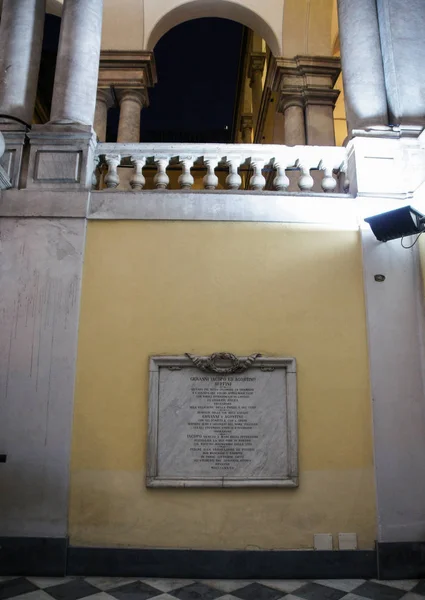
(222, 429)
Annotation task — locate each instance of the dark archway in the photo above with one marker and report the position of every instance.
(198, 64)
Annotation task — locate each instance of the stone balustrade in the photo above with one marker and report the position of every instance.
(278, 162)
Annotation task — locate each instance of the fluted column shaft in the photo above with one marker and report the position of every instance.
(131, 104)
(21, 38)
(77, 67)
(362, 65)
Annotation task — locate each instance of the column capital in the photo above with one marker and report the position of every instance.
(140, 96)
(106, 96)
(257, 61)
(247, 121)
(290, 98)
(127, 70)
(305, 71)
(320, 97)
(305, 80)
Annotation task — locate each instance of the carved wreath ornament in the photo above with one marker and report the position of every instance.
(209, 364)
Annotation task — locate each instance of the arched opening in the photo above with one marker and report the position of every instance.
(216, 8)
(199, 65)
(204, 84)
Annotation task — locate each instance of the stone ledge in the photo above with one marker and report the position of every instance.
(216, 205)
(29, 203)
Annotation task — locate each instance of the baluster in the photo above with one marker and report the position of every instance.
(233, 180)
(112, 179)
(257, 181)
(161, 179)
(138, 180)
(210, 179)
(281, 181)
(346, 181)
(328, 181)
(306, 181)
(186, 180)
(95, 176)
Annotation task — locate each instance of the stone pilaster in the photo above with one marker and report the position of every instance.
(307, 98)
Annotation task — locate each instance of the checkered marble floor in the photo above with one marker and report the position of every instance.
(104, 588)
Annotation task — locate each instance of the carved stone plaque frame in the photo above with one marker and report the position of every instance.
(248, 428)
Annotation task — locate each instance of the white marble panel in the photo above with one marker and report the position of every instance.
(222, 430)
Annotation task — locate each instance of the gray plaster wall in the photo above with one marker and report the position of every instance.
(395, 318)
(40, 281)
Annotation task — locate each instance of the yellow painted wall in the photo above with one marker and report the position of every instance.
(175, 287)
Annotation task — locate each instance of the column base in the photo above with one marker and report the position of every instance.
(388, 132)
(14, 133)
(61, 157)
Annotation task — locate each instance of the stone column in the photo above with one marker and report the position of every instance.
(319, 117)
(307, 98)
(21, 38)
(362, 67)
(131, 104)
(294, 121)
(103, 104)
(77, 67)
(246, 128)
(256, 68)
(402, 26)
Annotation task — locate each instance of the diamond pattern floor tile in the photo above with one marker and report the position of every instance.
(45, 582)
(226, 585)
(16, 587)
(258, 591)
(419, 588)
(405, 584)
(344, 585)
(378, 591)
(72, 590)
(124, 588)
(197, 591)
(100, 596)
(316, 591)
(138, 590)
(36, 595)
(352, 596)
(165, 596)
(287, 585)
(109, 583)
(167, 585)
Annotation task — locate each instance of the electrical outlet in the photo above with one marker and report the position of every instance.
(347, 541)
(323, 541)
